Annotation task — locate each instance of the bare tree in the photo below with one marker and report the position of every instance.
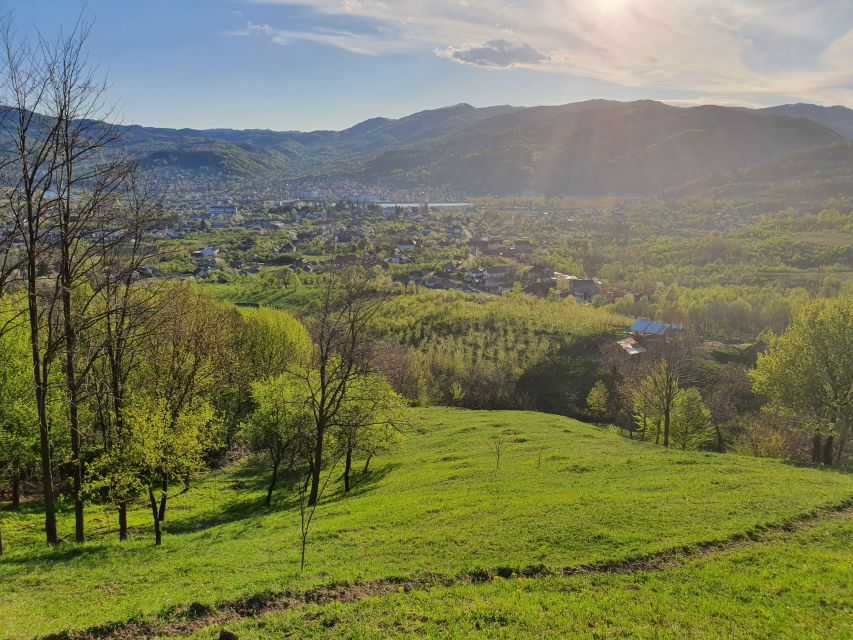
(87, 181)
(343, 352)
(498, 445)
(30, 164)
(129, 315)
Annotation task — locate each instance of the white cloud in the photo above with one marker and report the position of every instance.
(742, 49)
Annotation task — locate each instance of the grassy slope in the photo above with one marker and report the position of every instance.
(792, 586)
(434, 505)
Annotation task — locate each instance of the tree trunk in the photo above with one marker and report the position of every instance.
(367, 462)
(721, 446)
(347, 468)
(1, 542)
(71, 382)
(273, 481)
(46, 472)
(316, 467)
(161, 514)
(73, 414)
(40, 379)
(158, 536)
(828, 449)
(16, 490)
(666, 415)
(816, 448)
(122, 521)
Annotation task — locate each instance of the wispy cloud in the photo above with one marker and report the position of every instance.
(740, 49)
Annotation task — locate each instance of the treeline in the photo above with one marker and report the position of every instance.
(115, 387)
(796, 402)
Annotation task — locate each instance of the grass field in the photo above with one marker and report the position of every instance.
(793, 586)
(566, 494)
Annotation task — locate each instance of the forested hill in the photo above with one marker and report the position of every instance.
(837, 118)
(812, 174)
(597, 148)
(589, 148)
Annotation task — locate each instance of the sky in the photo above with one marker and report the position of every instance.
(328, 64)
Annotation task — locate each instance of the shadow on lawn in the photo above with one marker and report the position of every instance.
(846, 468)
(254, 482)
(246, 493)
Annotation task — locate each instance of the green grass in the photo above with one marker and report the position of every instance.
(293, 298)
(794, 586)
(435, 505)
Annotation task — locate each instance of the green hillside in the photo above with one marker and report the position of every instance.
(795, 585)
(434, 511)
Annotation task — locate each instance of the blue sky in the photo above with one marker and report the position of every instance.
(317, 64)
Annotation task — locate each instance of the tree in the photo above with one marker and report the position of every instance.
(729, 396)
(691, 420)
(186, 356)
(369, 421)
(60, 179)
(598, 400)
(667, 369)
(809, 370)
(29, 164)
(86, 182)
(158, 447)
(128, 314)
(267, 342)
(343, 351)
(280, 426)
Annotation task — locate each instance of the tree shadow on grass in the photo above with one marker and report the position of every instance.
(251, 480)
(845, 469)
(363, 482)
(252, 484)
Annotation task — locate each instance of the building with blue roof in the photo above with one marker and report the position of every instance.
(653, 328)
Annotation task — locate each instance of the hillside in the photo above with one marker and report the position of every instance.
(597, 148)
(809, 175)
(789, 577)
(837, 118)
(248, 152)
(567, 497)
(591, 148)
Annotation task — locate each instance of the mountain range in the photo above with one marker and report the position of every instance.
(590, 148)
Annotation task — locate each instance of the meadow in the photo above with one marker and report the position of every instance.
(795, 585)
(437, 509)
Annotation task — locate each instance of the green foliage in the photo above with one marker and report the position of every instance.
(598, 400)
(809, 369)
(156, 447)
(18, 430)
(691, 421)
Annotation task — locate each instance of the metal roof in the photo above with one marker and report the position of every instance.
(653, 327)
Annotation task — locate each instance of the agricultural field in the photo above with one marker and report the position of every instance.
(561, 506)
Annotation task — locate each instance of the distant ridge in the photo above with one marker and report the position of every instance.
(591, 148)
(837, 118)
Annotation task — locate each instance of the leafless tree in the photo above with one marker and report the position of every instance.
(344, 350)
(30, 165)
(498, 445)
(129, 307)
